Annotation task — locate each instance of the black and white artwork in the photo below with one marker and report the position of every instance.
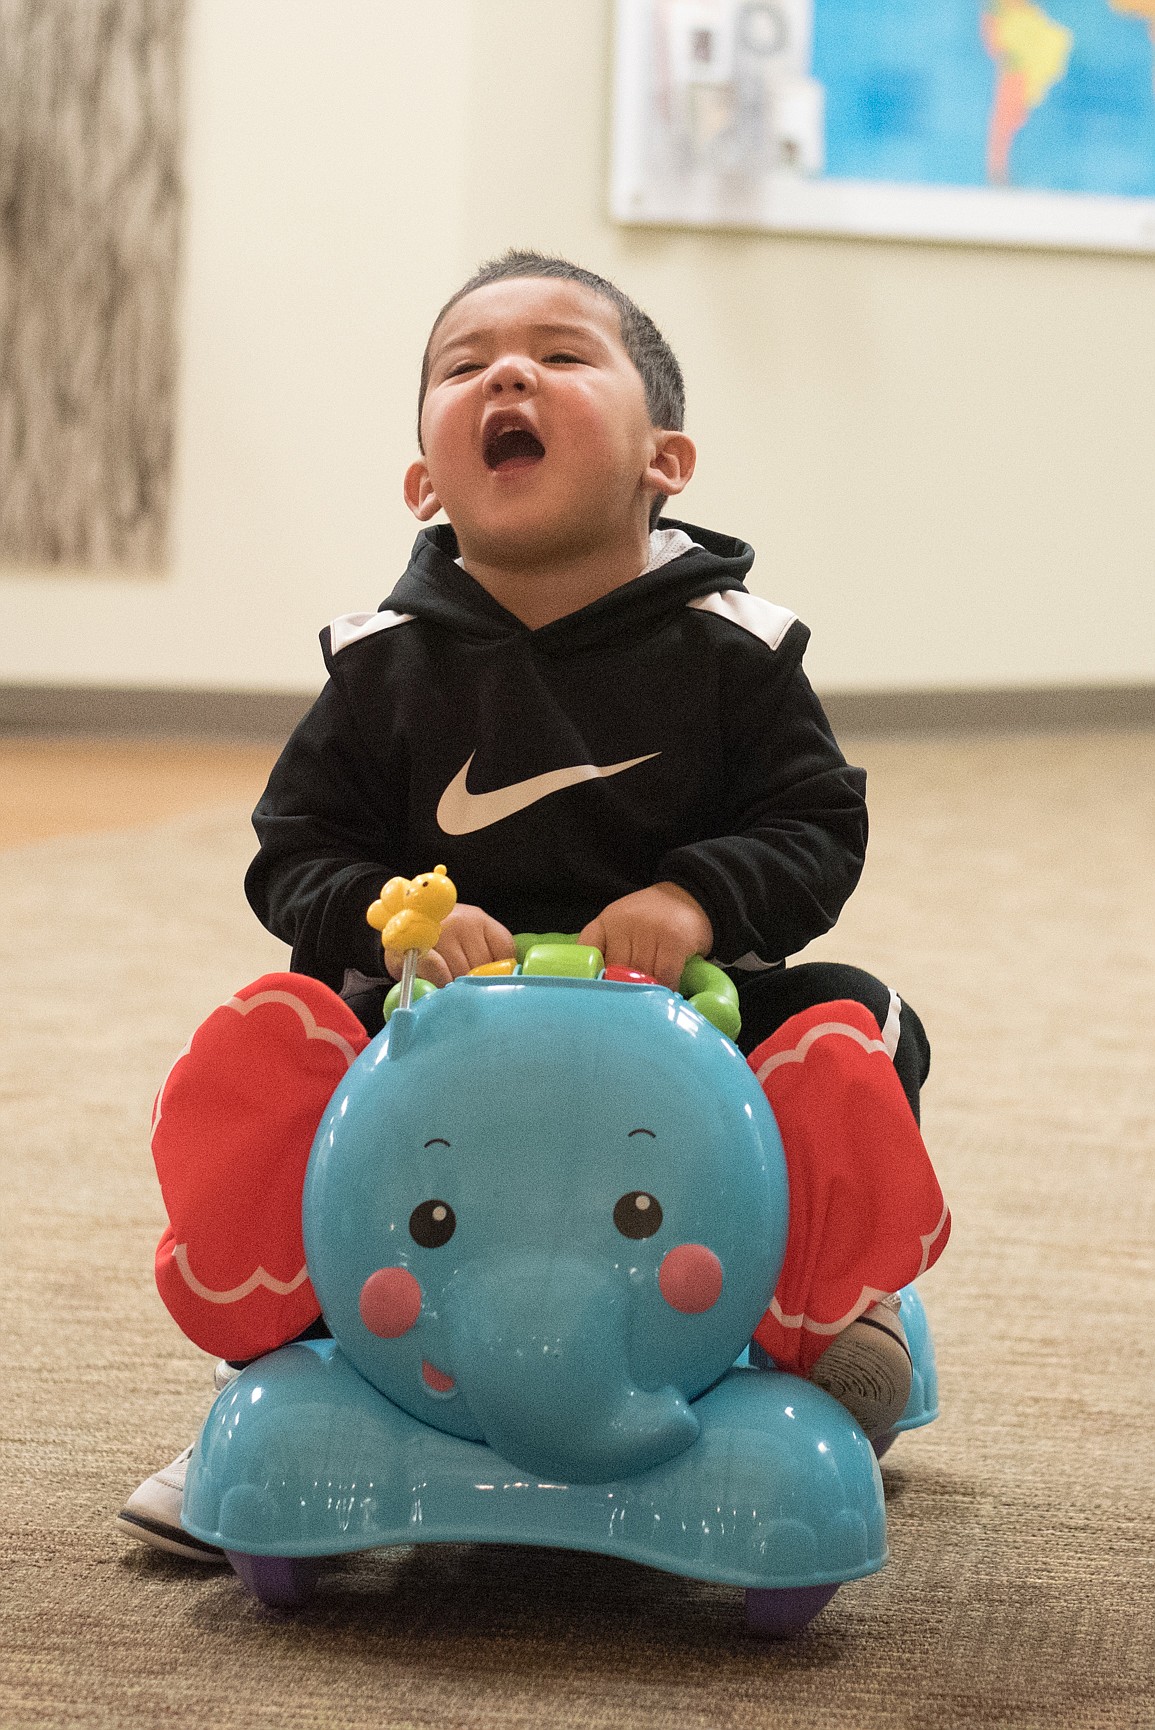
(90, 228)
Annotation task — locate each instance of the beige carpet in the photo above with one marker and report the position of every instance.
(1011, 896)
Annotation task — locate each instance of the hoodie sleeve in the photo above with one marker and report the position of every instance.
(793, 840)
(327, 830)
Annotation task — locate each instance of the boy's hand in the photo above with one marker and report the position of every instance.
(469, 938)
(654, 931)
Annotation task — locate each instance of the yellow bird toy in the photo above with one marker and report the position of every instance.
(409, 913)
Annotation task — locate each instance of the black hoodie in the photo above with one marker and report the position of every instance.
(665, 733)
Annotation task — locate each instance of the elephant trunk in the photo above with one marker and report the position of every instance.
(540, 1354)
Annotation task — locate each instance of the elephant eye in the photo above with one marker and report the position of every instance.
(432, 1224)
(638, 1214)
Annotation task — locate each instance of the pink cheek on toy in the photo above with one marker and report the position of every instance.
(690, 1278)
(390, 1302)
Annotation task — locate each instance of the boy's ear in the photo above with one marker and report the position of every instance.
(672, 464)
(419, 494)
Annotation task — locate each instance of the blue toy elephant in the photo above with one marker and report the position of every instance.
(542, 1218)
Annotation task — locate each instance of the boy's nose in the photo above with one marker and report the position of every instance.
(512, 374)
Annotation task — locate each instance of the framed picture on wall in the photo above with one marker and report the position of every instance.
(1023, 122)
(91, 203)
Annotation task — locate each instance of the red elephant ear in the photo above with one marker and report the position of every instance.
(232, 1129)
(866, 1212)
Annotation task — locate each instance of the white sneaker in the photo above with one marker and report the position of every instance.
(151, 1515)
(868, 1368)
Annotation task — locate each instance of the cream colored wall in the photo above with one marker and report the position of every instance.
(324, 193)
(943, 455)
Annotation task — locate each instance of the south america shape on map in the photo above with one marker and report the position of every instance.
(1045, 95)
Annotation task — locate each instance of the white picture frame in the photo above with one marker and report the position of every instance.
(695, 147)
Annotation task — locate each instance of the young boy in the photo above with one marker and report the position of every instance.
(581, 712)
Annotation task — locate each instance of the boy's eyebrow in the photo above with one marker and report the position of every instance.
(483, 332)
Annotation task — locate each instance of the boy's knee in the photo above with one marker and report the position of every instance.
(773, 998)
(914, 1034)
(369, 1007)
(900, 1025)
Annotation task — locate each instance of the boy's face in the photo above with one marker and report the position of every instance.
(538, 442)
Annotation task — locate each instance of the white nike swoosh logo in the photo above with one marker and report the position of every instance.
(460, 812)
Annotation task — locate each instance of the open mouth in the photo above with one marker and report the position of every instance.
(512, 447)
(436, 1381)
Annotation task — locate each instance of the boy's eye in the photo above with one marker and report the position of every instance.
(563, 359)
(463, 366)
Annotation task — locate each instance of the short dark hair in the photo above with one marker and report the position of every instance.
(642, 340)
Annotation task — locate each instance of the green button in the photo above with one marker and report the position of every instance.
(527, 940)
(562, 961)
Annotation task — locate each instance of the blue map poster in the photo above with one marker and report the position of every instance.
(1016, 121)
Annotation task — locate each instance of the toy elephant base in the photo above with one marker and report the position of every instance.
(302, 1459)
(922, 1406)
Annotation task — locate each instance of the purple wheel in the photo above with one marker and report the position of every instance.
(777, 1612)
(880, 1444)
(281, 1582)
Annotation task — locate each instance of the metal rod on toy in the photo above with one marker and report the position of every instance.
(409, 914)
(408, 975)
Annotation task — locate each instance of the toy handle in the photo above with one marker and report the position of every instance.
(703, 984)
(409, 913)
(713, 994)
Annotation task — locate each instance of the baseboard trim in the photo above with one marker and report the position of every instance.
(143, 712)
(261, 715)
(995, 709)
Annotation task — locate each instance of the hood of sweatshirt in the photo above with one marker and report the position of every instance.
(437, 589)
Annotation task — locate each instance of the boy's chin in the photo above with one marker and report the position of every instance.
(524, 545)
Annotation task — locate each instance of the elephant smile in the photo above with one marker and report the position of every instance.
(436, 1382)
